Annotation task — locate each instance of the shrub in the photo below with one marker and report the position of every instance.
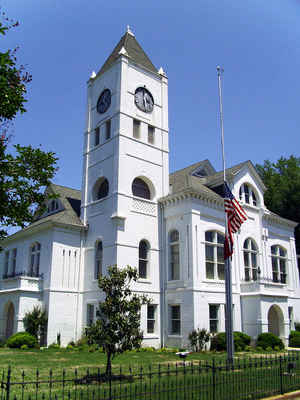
(2, 342)
(268, 339)
(241, 340)
(18, 339)
(24, 347)
(297, 326)
(35, 322)
(294, 339)
(53, 346)
(198, 339)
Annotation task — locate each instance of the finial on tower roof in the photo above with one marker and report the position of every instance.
(129, 31)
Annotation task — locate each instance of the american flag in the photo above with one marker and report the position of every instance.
(235, 215)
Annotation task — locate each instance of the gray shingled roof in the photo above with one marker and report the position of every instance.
(134, 52)
(70, 211)
(183, 179)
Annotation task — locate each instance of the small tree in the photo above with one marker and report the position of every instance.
(117, 328)
(35, 322)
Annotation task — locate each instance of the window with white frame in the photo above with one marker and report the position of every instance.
(140, 189)
(175, 320)
(34, 267)
(250, 260)
(98, 259)
(214, 311)
(143, 259)
(14, 262)
(6, 264)
(107, 129)
(97, 136)
(151, 134)
(279, 264)
(214, 255)
(151, 312)
(174, 270)
(90, 311)
(247, 194)
(136, 128)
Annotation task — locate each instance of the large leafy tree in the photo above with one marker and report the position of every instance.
(24, 171)
(282, 179)
(117, 328)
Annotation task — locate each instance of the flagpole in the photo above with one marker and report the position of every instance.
(228, 279)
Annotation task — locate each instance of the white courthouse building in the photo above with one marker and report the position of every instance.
(131, 211)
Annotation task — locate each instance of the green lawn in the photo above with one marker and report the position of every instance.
(154, 375)
(58, 359)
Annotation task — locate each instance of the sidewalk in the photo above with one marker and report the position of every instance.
(286, 396)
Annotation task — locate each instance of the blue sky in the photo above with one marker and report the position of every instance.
(256, 42)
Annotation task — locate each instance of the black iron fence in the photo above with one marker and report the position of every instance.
(248, 378)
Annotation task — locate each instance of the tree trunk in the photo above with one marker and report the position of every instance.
(108, 364)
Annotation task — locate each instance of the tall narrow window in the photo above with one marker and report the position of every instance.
(279, 260)
(141, 189)
(174, 273)
(14, 262)
(175, 320)
(98, 260)
(150, 134)
(214, 317)
(143, 259)
(34, 268)
(136, 128)
(250, 260)
(151, 311)
(107, 129)
(90, 314)
(97, 136)
(214, 255)
(6, 264)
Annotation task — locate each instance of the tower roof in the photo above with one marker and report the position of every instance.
(132, 49)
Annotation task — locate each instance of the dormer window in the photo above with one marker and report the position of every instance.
(52, 206)
(247, 195)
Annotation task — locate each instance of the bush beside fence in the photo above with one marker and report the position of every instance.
(251, 378)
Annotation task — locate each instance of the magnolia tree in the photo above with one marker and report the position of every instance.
(117, 328)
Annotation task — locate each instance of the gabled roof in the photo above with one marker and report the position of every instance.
(132, 50)
(209, 185)
(69, 213)
(217, 178)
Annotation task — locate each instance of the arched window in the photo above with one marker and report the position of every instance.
(103, 189)
(174, 273)
(279, 261)
(143, 259)
(214, 255)
(247, 194)
(250, 260)
(98, 259)
(140, 189)
(34, 267)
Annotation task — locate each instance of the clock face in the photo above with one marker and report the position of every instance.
(104, 101)
(143, 99)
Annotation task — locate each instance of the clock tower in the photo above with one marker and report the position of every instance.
(126, 166)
